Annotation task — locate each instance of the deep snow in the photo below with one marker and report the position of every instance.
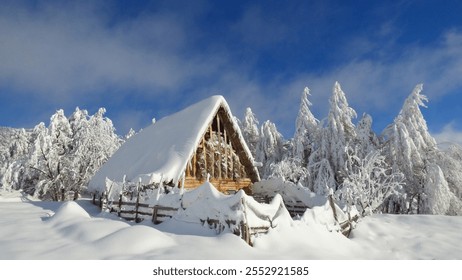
(77, 230)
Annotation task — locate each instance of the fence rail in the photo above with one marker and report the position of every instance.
(136, 211)
(158, 213)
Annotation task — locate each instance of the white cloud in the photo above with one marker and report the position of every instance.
(449, 135)
(69, 52)
(57, 51)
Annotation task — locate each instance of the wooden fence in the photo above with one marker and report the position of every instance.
(243, 230)
(298, 208)
(137, 212)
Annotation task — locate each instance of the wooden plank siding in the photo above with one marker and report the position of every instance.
(221, 154)
(223, 185)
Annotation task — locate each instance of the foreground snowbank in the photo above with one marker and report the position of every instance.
(44, 230)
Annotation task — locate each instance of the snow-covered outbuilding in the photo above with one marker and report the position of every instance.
(182, 150)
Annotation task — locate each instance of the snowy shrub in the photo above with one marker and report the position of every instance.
(290, 170)
(369, 182)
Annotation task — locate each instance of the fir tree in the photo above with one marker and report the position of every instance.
(249, 127)
(270, 149)
(306, 130)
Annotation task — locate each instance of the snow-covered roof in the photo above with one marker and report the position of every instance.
(162, 150)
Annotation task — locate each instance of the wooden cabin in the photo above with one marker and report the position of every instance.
(201, 141)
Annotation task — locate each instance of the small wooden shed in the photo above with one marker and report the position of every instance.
(183, 150)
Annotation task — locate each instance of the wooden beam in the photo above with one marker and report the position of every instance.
(194, 163)
(226, 153)
(212, 156)
(188, 166)
(220, 157)
(232, 162)
(204, 154)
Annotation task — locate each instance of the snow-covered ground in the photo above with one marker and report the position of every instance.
(77, 230)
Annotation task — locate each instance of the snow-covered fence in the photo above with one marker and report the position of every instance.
(162, 213)
(296, 208)
(297, 199)
(134, 211)
(240, 213)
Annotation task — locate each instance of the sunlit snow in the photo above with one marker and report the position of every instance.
(31, 229)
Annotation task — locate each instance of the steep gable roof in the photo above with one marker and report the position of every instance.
(164, 149)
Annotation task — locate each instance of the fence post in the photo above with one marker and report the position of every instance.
(245, 233)
(154, 214)
(332, 205)
(101, 200)
(137, 206)
(62, 194)
(120, 205)
(94, 198)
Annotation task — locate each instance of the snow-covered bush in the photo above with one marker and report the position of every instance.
(369, 182)
(290, 169)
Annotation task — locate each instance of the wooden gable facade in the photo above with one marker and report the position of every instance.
(222, 156)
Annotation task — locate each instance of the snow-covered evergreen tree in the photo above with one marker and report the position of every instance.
(250, 132)
(326, 163)
(306, 130)
(437, 197)
(270, 149)
(450, 162)
(410, 147)
(366, 139)
(340, 130)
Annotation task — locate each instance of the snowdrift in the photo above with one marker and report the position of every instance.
(240, 213)
(113, 238)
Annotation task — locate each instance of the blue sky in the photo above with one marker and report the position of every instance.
(145, 59)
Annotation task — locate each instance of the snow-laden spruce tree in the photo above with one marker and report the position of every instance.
(270, 148)
(366, 140)
(250, 132)
(412, 150)
(437, 197)
(340, 130)
(326, 163)
(306, 130)
(450, 162)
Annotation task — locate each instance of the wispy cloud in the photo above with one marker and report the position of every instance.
(449, 135)
(70, 53)
(60, 52)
